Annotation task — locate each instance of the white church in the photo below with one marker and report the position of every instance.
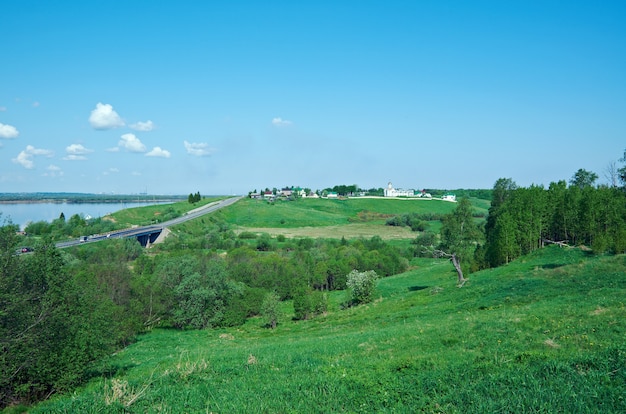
(397, 192)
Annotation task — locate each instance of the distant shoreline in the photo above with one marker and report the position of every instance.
(80, 198)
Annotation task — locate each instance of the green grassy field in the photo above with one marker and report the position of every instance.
(545, 333)
(324, 212)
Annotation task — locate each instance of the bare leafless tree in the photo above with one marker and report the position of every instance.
(611, 174)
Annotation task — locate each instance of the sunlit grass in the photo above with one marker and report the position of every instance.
(324, 212)
(542, 334)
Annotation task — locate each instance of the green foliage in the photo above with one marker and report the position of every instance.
(414, 220)
(524, 219)
(50, 326)
(541, 334)
(202, 298)
(424, 244)
(308, 303)
(460, 235)
(194, 198)
(583, 178)
(270, 309)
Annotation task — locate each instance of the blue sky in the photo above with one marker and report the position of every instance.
(224, 97)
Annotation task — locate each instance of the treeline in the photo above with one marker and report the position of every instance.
(75, 226)
(524, 219)
(194, 198)
(62, 311)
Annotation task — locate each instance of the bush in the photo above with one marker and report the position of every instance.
(361, 286)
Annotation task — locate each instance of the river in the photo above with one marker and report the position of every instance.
(23, 213)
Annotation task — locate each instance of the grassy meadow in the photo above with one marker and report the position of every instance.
(545, 333)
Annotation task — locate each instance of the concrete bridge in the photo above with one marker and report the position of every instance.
(147, 235)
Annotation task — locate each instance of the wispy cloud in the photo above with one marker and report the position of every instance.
(25, 157)
(279, 122)
(158, 152)
(200, 149)
(131, 143)
(76, 152)
(8, 131)
(53, 171)
(111, 170)
(3, 108)
(104, 117)
(142, 126)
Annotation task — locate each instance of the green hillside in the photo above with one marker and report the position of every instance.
(545, 333)
(325, 212)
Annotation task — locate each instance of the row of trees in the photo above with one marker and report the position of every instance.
(75, 226)
(524, 219)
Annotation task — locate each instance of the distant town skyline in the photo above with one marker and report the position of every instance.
(226, 97)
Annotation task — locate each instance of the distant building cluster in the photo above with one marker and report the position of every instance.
(297, 192)
(284, 193)
(390, 191)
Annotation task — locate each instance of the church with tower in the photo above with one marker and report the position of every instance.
(397, 192)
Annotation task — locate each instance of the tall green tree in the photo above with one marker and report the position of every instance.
(270, 309)
(459, 237)
(583, 178)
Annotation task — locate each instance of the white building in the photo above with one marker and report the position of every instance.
(397, 192)
(449, 197)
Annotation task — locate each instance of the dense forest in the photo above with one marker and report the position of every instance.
(63, 311)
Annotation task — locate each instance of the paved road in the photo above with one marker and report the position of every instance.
(134, 232)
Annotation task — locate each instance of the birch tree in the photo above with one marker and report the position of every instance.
(459, 238)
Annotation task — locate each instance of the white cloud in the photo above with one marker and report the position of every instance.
(104, 117)
(111, 170)
(114, 149)
(131, 143)
(36, 104)
(158, 152)
(8, 131)
(200, 149)
(279, 122)
(72, 157)
(142, 126)
(25, 158)
(3, 108)
(76, 152)
(53, 171)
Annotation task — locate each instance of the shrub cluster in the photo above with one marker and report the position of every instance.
(417, 222)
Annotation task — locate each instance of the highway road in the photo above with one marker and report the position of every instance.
(134, 232)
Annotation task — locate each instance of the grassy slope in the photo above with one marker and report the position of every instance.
(542, 334)
(322, 212)
(322, 218)
(141, 216)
